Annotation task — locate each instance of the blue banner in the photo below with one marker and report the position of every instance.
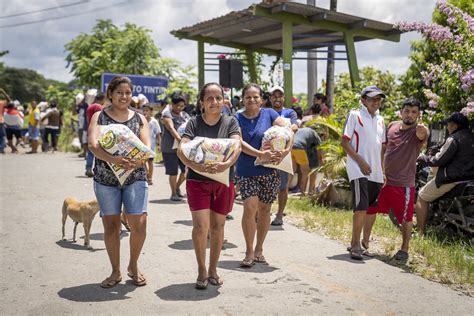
(153, 87)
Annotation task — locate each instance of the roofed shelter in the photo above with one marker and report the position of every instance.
(280, 29)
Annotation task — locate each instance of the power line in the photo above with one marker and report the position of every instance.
(61, 17)
(45, 9)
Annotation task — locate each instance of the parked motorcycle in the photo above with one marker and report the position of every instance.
(453, 210)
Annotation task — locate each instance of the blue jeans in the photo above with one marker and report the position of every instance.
(2, 137)
(134, 198)
(89, 160)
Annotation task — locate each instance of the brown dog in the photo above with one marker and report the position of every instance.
(80, 212)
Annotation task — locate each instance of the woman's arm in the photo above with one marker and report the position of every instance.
(168, 124)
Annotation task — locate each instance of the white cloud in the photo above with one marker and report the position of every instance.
(41, 46)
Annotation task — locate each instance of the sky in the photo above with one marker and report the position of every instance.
(35, 32)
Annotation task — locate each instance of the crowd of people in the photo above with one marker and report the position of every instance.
(29, 125)
(381, 163)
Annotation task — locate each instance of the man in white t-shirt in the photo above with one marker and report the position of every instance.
(364, 134)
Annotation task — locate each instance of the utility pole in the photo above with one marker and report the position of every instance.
(330, 67)
(312, 68)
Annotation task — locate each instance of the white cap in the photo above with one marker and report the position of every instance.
(142, 99)
(276, 88)
(79, 98)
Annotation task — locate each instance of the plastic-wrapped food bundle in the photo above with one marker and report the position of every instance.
(276, 138)
(205, 150)
(181, 129)
(119, 140)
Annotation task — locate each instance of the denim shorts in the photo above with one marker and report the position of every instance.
(35, 135)
(134, 198)
(284, 180)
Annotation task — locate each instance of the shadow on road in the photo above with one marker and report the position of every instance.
(276, 228)
(235, 265)
(94, 293)
(75, 246)
(82, 177)
(347, 257)
(184, 222)
(187, 244)
(100, 236)
(186, 292)
(167, 201)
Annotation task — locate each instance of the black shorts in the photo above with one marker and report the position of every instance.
(364, 193)
(172, 163)
(12, 131)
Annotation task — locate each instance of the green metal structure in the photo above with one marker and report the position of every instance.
(281, 29)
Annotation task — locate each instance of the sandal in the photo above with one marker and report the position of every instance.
(356, 254)
(216, 281)
(401, 256)
(247, 263)
(366, 252)
(201, 284)
(260, 259)
(109, 282)
(138, 280)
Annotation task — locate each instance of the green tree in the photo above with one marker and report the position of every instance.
(25, 85)
(129, 49)
(441, 73)
(347, 98)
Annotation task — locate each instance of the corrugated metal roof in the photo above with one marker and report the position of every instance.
(248, 28)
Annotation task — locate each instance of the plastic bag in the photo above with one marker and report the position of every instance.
(203, 150)
(119, 140)
(276, 138)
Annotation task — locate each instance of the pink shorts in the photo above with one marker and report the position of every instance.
(400, 199)
(204, 195)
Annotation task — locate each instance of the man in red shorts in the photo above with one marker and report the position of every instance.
(404, 141)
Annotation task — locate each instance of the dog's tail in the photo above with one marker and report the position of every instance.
(64, 218)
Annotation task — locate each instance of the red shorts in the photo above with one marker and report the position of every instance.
(205, 195)
(400, 199)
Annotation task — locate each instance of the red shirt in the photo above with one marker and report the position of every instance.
(94, 107)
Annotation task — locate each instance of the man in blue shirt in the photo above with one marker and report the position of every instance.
(277, 98)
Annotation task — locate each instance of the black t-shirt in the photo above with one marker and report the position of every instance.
(226, 127)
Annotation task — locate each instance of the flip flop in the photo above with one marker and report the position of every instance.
(216, 281)
(136, 279)
(201, 284)
(109, 282)
(247, 263)
(260, 259)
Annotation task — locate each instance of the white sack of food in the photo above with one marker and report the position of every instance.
(276, 138)
(119, 140)
(203, 150)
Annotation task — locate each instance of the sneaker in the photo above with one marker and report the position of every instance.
(176, 198)
(229, 217)
(277, 222)
(89, 173)
(178, 193)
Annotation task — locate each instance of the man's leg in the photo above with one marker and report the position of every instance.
(303, 183)
(2, 138)
(421, 210)
(358, 220)
(406, 234)
(368, 224)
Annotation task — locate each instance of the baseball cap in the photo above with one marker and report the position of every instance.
(457, 118)
(372, 91)
(276, 88)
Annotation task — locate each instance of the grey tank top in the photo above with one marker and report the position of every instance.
(103, 174)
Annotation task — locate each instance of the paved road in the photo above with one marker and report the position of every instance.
(308, 274)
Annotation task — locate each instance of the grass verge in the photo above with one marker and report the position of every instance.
(437, 256)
